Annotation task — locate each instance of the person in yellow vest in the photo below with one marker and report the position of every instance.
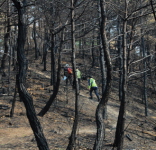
(78, 74)
(92, 86)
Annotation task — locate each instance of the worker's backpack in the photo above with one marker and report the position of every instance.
(70, 71)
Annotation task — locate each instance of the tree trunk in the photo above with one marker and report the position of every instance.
(92, 51)
(14, 48)
(84, 54)
(102, 57)
(72, 138)
(35, 41)
(152, 5)
(44, 60)
(119, 136)
(45, 50)
(13, 102)
(21, 78)
(144, 77)
(6, 40)
(120, 58)
(100, 135)
(143, 49)
(53, 65)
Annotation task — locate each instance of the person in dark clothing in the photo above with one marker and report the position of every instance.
(68, 74)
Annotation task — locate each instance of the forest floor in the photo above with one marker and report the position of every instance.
(16, 133)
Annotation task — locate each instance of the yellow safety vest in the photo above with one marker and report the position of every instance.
(78, 73)
(91, 83)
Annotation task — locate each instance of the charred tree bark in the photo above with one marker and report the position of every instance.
(92, 50)
(119, 136)
(100, 135)
(21, 78)
(53, 64)
(13, 102)
(44, 57)
(144, 76)
(83, 52)
(152, 5)
(120, 57)
(45, 50)
(102, 58)
(144, 53)
(72, 138)
(35, 40)
(103, 68)
(6, 40)
(14, 63)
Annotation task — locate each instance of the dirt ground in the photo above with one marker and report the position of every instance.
(16, 133)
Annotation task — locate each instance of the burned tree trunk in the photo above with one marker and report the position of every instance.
(92, 51)
(100, 135)
(13, 102)
(45, 50)
(72, 138)
(53, 60)
(35, 40)
(119, 136)
(6, 41)
(21, 78)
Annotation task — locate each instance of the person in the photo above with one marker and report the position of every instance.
(78, 74)
(68, 74)
(92, 86)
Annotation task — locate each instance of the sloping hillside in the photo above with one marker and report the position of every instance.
(16, 134)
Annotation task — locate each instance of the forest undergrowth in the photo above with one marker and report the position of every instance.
(16, 133)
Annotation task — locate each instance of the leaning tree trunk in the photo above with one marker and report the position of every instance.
(56, 84)
(100, 135)
(152, 5)
(119, 136)
(72, 138)
(21, 78)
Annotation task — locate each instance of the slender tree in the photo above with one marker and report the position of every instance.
(143, 50)
(6, 39)
(34, 34)
(72, 138)
(119, 136)
(100, 135)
